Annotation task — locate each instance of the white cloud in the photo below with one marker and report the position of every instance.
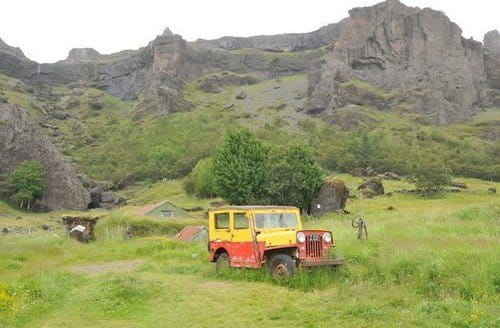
(47, 30)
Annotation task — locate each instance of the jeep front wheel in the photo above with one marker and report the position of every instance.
(281, 266)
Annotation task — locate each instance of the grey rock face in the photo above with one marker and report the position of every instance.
(418, 53)
(83, 54)
(280, 42)
(14, 51)
(21, 140)
(492, 57)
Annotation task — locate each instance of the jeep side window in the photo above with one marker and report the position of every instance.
(240, 221)
(222, 221)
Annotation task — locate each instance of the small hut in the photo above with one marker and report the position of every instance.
(332, 196)
(164, 210)
(80, 228)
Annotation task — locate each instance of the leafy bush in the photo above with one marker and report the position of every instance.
(245, 171)
(240, 168)
(201, 180)
(26, 184)
(294, 177)
(429, 172)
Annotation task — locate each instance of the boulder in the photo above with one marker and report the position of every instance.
(241, 95)
(372, 186)
(126, 181)
(21, 139)
(371, 172)
(368, 193)
(332, 196)
(107, 197)
(391, 176)
(358, 172)
(96, 104)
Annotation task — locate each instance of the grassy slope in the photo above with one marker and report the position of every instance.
(431, 262)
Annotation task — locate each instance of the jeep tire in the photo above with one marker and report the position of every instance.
(281, 266)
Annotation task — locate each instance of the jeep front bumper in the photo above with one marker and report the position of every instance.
(322, 262)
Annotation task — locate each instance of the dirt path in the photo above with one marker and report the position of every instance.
(115, 266)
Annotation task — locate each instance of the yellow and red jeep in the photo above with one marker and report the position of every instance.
(251, 236)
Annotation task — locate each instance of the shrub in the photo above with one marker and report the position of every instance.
(26, 184)
(240, 167)
(201, 181)
(429, 172)
(294, 177)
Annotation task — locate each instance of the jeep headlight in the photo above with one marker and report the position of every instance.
(327, 237)
(301, 237)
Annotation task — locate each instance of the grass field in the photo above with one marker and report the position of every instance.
(430, 262)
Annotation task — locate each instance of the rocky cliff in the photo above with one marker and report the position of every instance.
(416, 55)
(492, 58)
(21, 140)
(413, 61)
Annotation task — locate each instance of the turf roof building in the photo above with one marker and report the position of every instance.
(165, 210)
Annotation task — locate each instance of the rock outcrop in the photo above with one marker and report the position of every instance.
(21, 140)
(331, 197)
(418, 54)
(492, 58)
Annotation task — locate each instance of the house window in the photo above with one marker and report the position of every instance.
(167, 214)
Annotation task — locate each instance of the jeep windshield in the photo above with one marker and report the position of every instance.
(275, 220)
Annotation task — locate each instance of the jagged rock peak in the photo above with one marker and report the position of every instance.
(167, 32)
(382, 6)
(492, 41)
(83, 54)
(4, 47)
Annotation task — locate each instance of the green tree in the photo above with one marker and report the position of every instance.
(429, 171)
(294, 177)
(27, 183)
(201, 180)
(240, 166)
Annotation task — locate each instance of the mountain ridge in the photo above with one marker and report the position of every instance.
(388, 45)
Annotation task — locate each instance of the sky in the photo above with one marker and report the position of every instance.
(47, 29)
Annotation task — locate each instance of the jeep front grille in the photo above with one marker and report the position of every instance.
(313, 246)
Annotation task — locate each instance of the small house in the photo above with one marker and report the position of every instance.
(165, 210)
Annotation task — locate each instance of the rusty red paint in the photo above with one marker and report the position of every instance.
(241, 254)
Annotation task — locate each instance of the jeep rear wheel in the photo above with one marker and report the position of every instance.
(281, 266)
(222, 262)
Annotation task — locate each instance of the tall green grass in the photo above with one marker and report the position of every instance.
(430, 262)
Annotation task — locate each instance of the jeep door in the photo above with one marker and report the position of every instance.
(245, 252)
